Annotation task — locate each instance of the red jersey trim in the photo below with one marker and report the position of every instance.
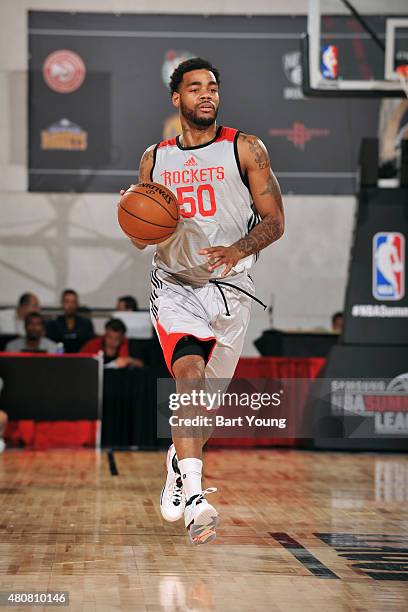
(224, 133)
(227, 134)
(171, 142)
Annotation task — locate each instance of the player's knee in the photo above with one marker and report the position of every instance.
(189, 368)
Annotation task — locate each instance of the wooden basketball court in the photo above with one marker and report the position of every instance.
(307, 531)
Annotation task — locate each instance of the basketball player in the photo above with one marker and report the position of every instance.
(231, 208)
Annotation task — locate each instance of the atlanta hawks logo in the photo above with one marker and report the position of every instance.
(64, 71)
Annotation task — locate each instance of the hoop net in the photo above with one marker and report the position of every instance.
(402, 71)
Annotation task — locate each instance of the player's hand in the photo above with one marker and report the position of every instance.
(136, 243)
(123, 191)
(222, 256)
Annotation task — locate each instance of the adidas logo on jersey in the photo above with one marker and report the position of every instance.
(191, 161)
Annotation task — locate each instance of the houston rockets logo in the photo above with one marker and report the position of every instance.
(388, 266)
(299, 134)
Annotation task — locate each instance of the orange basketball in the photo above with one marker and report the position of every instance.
(148, 212)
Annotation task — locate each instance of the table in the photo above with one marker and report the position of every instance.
(277, 343)
(129, 408)
(51, 400)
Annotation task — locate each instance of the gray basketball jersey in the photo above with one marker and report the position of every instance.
(215, 205)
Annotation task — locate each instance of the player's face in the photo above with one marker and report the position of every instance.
(198, 97)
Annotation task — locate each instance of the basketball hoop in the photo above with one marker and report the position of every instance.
(402, 72)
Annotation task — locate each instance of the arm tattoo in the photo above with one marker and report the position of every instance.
(263, 234)
(272, 188)
(260, 157)
(145, 161)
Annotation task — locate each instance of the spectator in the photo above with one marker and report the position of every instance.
(3, 422)
(70, 328)
(127, 303)
(12, 320)
(337, 322)
(34, 340)
(114, 345)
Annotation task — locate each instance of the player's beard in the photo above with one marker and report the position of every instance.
(192, 117)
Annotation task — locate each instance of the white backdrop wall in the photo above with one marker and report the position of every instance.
(51, 241)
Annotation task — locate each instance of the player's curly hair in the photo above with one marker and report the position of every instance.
(195, 63)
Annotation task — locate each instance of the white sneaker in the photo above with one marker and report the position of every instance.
(2, 445)
(172, 498)
(201, 519)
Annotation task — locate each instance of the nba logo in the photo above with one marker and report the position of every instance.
(329, 64)
(388, 266)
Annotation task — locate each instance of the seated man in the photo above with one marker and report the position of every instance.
(337, 322)
(70, 328)
(34, 340)
(12, 320)
(114, 345)
(127, 303)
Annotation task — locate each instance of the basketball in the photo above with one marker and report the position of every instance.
(148, 212)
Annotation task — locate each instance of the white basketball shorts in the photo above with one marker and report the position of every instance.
(179, 310)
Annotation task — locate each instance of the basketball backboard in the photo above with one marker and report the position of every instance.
(352, 48)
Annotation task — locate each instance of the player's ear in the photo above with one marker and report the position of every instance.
(175, 98)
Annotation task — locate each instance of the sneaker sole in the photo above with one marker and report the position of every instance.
(203, 529)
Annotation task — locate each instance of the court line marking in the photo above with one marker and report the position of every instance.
(112, 464)
(309, 561)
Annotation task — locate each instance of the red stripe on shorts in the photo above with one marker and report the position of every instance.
(168, 343)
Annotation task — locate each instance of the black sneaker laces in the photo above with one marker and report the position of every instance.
(177, 494)
(200, 496)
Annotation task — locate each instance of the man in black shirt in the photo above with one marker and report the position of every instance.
(70, 328)
(127, 303)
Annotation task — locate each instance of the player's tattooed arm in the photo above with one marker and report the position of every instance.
(145, 169)
(266, 194)
(146, 164)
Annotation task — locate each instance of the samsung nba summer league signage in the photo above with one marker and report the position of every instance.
(377, 299)
(364, 394)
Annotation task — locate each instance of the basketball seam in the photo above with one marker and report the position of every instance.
(154, 200)
(145, 220)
